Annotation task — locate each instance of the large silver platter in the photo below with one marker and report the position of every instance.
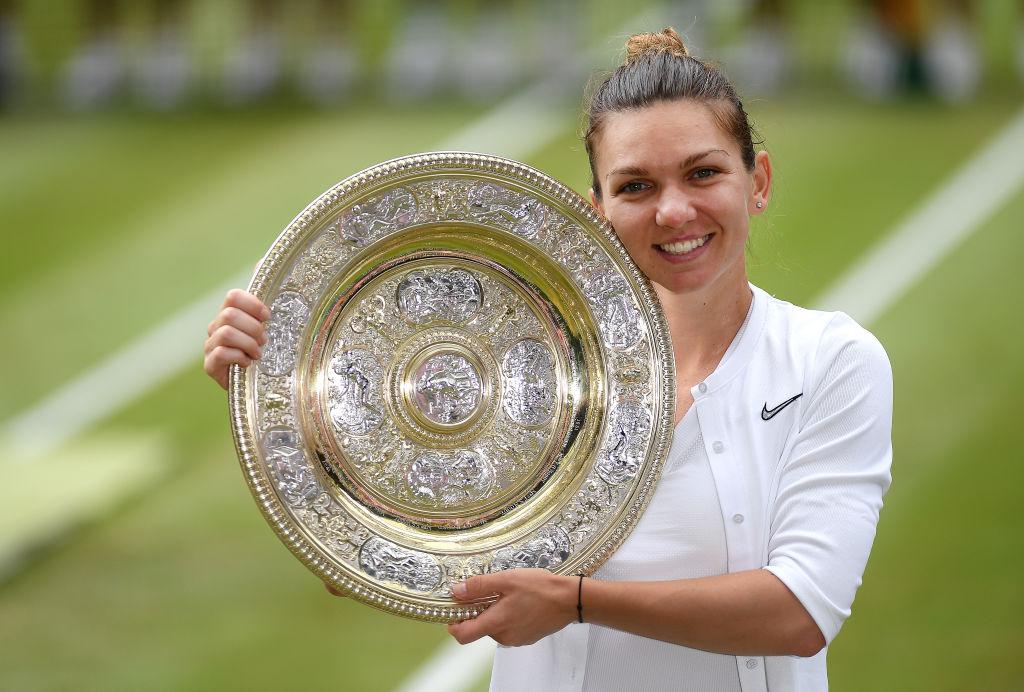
(465, 373)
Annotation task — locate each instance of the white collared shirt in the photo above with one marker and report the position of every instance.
(794, 489)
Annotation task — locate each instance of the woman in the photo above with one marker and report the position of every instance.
(745, 564)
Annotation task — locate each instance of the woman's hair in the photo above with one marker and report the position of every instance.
(658, 67)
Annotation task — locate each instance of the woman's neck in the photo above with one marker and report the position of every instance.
(703, 324)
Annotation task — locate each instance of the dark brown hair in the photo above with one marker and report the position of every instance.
(658, 67)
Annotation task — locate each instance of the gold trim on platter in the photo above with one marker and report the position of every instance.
(465, 373)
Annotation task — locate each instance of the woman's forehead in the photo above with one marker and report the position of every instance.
(666, 128)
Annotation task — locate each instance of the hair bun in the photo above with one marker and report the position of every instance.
(665, 41)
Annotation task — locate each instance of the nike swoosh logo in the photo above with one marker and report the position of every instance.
(768, 414)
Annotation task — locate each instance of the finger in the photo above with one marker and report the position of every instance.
(466, 632)
(479, 586)
(335, 592)
(482, 625)
(218, 361)
(227, 335)
(243, 300)
(240, 320)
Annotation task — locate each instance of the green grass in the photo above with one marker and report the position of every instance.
(186, 588)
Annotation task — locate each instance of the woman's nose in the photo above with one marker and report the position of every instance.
(675, 208)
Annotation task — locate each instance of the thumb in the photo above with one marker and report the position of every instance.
(478, 586)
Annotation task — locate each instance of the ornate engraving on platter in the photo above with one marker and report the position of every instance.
(289, 313)
(431, 294)
(620, 323)
(315, 267)
(354, 391)
(287, 464)
(531, 389)
(549, 548)
(275, 402)
(515, 211)
(388, 562)
(446, 388)
(378, 216)
(629, 427)
(450, 479)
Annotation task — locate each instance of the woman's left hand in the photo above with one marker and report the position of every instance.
(532, 603)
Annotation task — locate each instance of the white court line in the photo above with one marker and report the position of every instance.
(935, 228)
(123, 377)
(452, 667)
(945, 219)
(167, 349)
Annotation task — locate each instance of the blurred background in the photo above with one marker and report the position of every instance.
(152, 150)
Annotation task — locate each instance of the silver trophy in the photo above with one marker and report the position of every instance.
(466, 373)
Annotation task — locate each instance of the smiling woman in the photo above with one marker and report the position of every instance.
(745, 564)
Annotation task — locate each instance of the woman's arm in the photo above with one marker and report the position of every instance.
(745, 613)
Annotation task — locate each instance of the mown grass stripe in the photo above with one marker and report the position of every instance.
(955, 210)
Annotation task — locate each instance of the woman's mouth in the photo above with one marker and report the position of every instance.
(685, 247)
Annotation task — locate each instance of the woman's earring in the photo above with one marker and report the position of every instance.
(759, 205)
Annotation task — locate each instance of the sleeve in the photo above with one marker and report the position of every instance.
(831, 484)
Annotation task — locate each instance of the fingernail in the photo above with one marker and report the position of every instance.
(459, 590)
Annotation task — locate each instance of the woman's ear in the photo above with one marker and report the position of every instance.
(762, 175)
(595, 202)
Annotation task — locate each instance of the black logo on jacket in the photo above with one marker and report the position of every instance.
(769, 413)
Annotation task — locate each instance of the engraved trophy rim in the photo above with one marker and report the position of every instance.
(595, 458)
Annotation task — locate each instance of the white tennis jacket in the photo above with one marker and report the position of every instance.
(800, 487)
(796, 424)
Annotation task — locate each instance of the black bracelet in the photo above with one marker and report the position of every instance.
(579, 600)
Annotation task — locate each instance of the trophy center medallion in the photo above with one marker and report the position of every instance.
(444, 387)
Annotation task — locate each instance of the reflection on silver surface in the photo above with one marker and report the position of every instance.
(389, 562)
(449, 479)
(549, 549)
(430, 294)
(446, 388)
(530, 389)
(368, 220)
(523, 214)
(629, 427)
(354, 392)
(289, 313)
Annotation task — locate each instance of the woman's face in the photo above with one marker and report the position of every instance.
(676, 191)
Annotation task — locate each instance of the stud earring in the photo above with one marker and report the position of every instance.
(759, 205)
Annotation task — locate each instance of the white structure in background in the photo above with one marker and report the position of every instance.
(951, 61)
(420, 55)
(872, 59)
(95, 75)
(164, 72)
(15, 68)
(488, 58)
(761, 61)
(253, 67)
(327, 71)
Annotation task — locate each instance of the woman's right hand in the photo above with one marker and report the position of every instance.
(236, 335)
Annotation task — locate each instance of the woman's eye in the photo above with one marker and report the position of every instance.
(704, 173)
(632, 186)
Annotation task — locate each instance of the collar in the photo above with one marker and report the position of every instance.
(741, 350)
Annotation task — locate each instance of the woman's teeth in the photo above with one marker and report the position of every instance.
(685, 246)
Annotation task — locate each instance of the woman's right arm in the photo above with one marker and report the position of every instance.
(236, 335)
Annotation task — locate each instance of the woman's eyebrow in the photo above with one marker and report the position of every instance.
(694, 158)
(627, 170)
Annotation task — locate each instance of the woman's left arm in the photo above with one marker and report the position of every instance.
(821, 524)
(749, 612)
